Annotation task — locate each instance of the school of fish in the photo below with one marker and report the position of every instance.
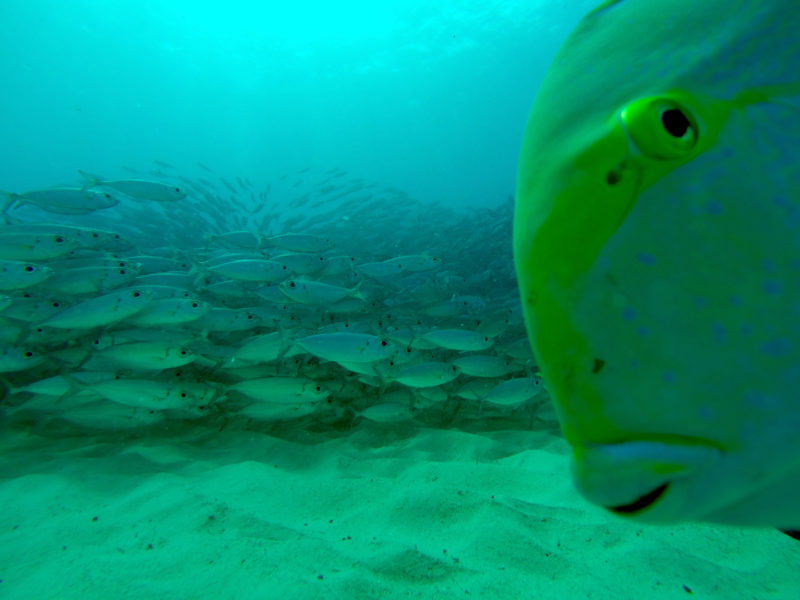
(318, 301)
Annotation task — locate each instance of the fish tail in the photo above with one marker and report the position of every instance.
(6, 389)
(9, 201)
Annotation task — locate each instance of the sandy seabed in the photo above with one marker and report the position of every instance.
(378, 512)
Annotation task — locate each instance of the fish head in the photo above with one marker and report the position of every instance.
(656, 247)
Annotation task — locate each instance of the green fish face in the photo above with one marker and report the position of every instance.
(657, 248)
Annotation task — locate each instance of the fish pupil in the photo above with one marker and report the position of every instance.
(675, 122)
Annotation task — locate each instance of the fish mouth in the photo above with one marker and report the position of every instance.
(641, 478)
(641, 503)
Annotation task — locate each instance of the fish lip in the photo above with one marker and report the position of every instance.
(642, 502)
(642, 478)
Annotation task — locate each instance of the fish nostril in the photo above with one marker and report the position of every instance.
(641, 503)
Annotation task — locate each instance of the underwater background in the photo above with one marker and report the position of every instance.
(268, 343)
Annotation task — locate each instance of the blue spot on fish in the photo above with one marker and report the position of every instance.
(776, 347)
(773, 288)
(667, 377)
(645, 258)
(713, 207)
(705, 413)
(719, 332)
(629, 313)
(761, 400)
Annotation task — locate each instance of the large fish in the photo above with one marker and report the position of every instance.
(657, 246)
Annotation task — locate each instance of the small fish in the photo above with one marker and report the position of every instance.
(19, 359)
(264, 271)
(100, 311)
(34, 246)
(427, 374)
(515, 392)
(349, 347)
(65, 201)
(387, 412)
(17, 275)
(170, 311)
(300, 242)
(88, 280)
(139, 189)
(157, 395)
(317, 293)
(155, 355)
(484, 365)
(282, 390)
(457, 339)
(301, 263)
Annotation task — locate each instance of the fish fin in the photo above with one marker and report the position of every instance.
(91, 180)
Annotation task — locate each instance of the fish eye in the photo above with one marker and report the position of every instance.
(28, 354)
(291, 284)
(194, 304)
(109, 197)
(96, 235)
(384, 343)
(136, 294)
(29, 269)
(55, 304)
(661, 127)
(183, 394)
(675, 122)
(177, 189)
(122, 271)
(59, 239)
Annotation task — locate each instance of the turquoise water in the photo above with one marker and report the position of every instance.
(427, 97)
(270, 346)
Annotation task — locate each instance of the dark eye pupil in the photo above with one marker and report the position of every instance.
(675, 122)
